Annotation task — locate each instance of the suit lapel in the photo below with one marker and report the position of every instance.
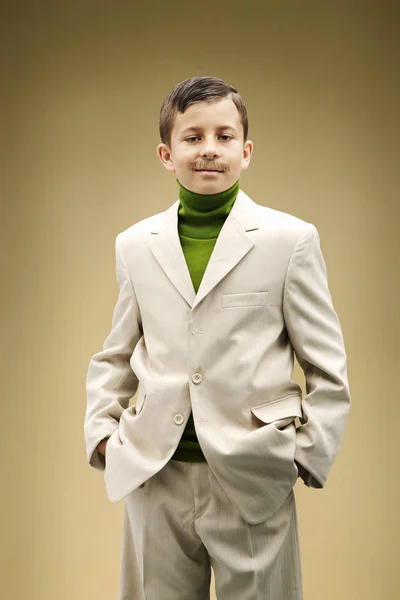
(232, 244)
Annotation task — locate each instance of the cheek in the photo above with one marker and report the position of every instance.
(184, 157)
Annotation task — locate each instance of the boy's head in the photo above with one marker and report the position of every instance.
(217, 140)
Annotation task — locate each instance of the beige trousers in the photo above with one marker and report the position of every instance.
(180, 523)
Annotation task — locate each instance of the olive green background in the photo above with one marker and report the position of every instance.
(82, 86)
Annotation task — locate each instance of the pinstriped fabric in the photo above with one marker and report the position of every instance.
(180, 523)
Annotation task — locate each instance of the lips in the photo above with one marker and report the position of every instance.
(208, 170)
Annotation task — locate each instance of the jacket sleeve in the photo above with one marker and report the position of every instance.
(316, 337)
(110, 381)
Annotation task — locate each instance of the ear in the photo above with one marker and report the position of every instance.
(164, 154)
(247, 152)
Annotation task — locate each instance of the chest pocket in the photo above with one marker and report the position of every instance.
(244, 299)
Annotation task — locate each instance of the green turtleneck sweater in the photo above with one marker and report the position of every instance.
(200, 219)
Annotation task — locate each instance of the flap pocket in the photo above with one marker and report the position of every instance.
(140, 401)
(285, 410)
(245, 299)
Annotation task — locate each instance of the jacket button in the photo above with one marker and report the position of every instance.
(197, 377)
(178, 419)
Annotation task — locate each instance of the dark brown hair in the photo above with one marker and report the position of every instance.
(198, 89)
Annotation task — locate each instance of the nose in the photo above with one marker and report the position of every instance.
(209, 148)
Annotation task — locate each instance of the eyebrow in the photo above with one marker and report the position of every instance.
(197, 128)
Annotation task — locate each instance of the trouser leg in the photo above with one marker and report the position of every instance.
(163, 556)
(181, 522)
(250, 562)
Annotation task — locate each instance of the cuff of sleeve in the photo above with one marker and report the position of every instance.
(98, 460)
(308, 479)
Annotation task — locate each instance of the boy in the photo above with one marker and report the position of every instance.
(216, 293)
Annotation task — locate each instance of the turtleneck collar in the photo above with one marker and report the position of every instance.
(204, 203)
(201, 216)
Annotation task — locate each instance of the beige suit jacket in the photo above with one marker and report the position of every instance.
(226, 353)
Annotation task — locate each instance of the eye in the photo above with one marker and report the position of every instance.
(194, 137)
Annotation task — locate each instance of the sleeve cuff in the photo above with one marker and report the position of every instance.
(308, 479)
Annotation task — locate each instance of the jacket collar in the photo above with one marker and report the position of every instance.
(232, 244)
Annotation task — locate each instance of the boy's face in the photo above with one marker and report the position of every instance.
(216, 142)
